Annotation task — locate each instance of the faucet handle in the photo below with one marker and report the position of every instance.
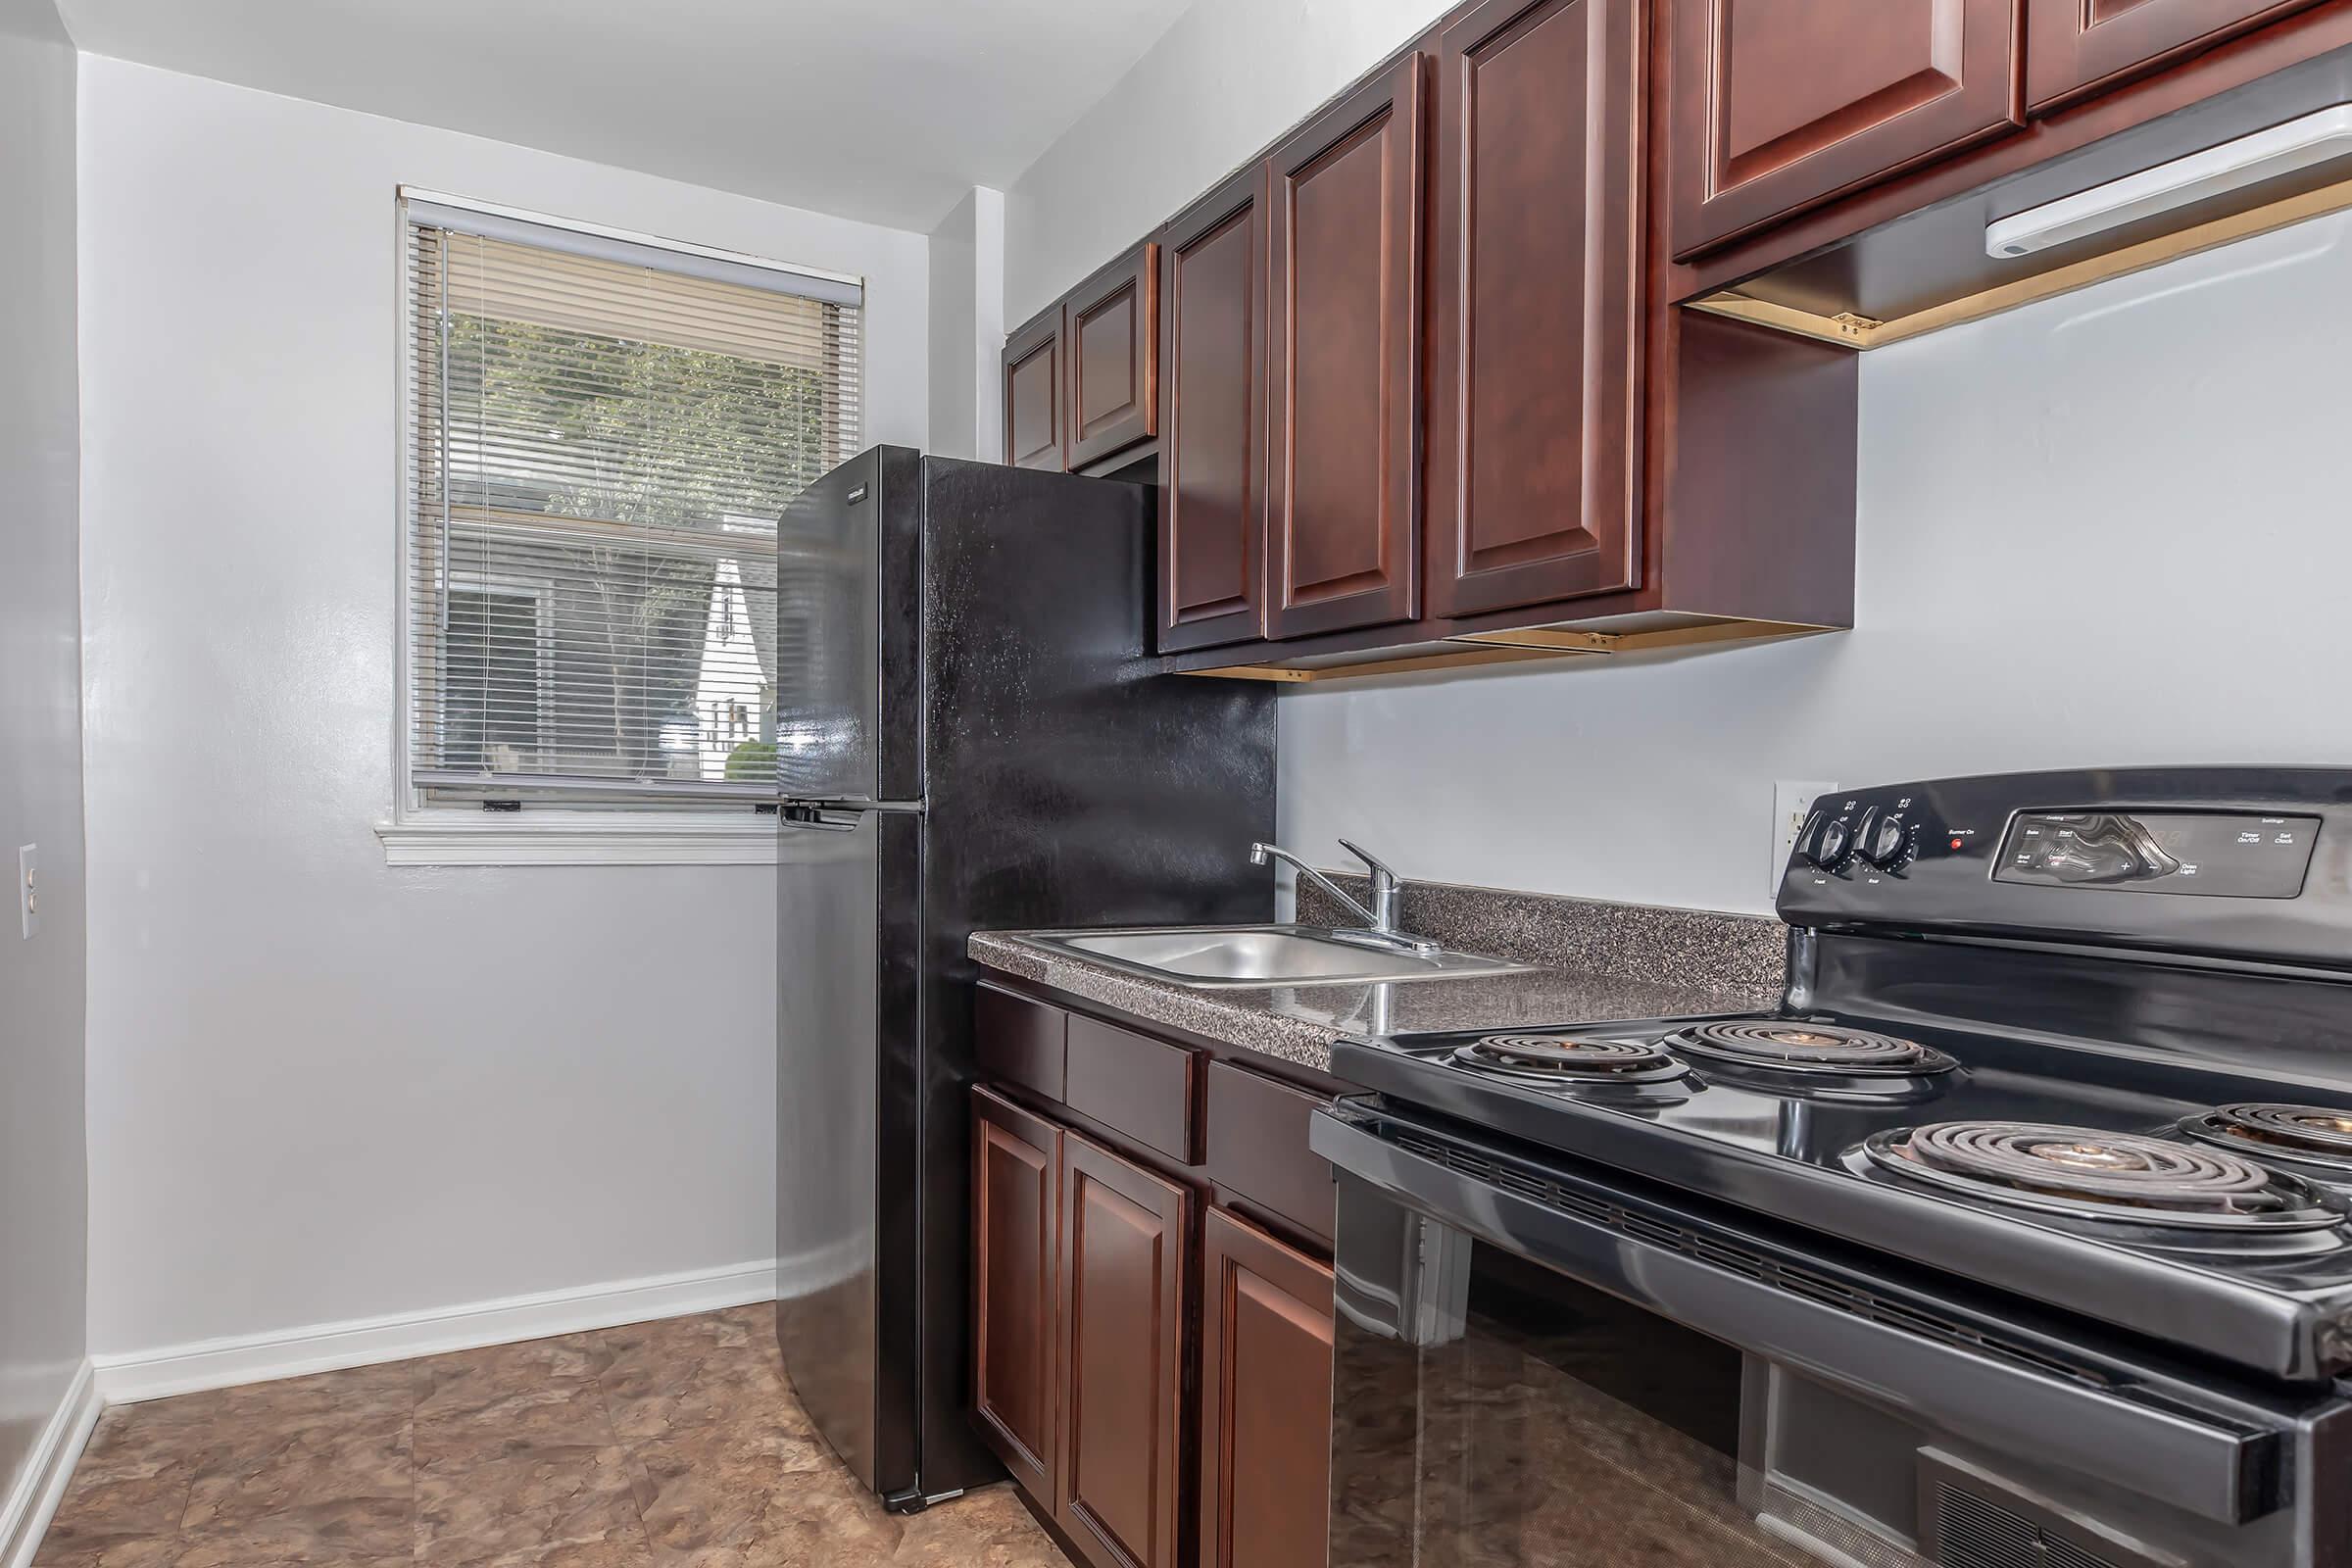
(1382, 874)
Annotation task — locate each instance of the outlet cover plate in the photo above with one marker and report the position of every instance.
(28, 888)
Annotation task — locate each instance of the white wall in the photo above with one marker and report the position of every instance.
(2107, 530)
(42, 1187)
(967, 328)
(322, 1089)
(1226, 79)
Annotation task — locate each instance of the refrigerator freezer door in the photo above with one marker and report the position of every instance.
(829, 637)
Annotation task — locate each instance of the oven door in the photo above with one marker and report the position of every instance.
(1535, 1368)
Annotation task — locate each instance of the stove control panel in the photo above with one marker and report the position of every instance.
(1854, 836)
(2226, 855)
(2248, 861)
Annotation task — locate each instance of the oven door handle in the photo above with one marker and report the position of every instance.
(2218, 1470)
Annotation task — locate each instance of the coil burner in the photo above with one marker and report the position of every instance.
(2312, 1134)
(1812, 1047)
(2091, 1174)
(1569, 1059)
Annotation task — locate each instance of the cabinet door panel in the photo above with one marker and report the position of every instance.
(1124, 1261)
(1536, 301)
(2074, 47)
(1212, 367)
(1265, 1401)
(1343, 364)
(1114, 357)
(1017, 1219)
(1781, 104)
(1033, 389)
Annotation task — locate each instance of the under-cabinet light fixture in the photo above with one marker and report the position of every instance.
(2317, 137)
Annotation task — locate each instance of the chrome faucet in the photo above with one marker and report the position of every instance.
(1380, 920)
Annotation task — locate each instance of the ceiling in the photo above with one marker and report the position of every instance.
(881, 110)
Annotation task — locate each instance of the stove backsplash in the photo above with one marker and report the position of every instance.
(1640, 941)
(2192, 1019)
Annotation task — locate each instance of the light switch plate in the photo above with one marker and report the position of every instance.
(1791, 803)
(28, 888)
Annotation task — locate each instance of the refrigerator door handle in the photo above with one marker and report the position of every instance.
(808, 811)
(824, 818)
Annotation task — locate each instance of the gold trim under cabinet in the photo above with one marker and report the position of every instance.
(1526, 645)
(1862, 333)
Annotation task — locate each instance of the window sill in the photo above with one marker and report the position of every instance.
(466, 839)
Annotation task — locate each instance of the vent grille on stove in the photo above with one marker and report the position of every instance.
(1978, 1533)
(1853, 1301)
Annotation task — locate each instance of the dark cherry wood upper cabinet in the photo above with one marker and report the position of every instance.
(1125, 1255)
(1265, 1401)
(1213, 417)
(1033, 394)
(1112, 326)
(1016, 1223)
(1781, 104)
(1535, 277)
(2074, 47)
(1342, 529)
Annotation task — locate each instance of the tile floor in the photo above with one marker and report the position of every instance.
(668, 1445)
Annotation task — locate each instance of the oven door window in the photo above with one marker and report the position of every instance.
(1489, 1413)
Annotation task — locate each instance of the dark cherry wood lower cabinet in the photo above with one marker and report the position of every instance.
(1265, 1399)
(1016, 1228)
(1126, 1240)
(1159, 1414)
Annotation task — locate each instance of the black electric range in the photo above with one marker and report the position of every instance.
(2177, 1241)
(2023, 1219)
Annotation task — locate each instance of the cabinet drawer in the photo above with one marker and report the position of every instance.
(1258, 1147)
(1134, 1085)
(1018, 1040)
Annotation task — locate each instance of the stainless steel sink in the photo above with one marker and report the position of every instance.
(1260, 955)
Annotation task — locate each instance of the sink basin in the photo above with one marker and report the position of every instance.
(1260, 955)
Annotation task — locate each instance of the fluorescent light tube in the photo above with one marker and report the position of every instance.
(2235, 165)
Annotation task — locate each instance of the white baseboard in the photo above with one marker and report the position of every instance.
(25, 1512)
(127, 1378)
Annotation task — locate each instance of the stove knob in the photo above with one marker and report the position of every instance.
(1833, 847)
(1888, 843)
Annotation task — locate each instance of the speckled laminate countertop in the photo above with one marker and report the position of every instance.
(1297, 1024)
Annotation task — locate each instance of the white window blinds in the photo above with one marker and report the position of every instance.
(602, 435)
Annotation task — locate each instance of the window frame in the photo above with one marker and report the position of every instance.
(421, 831)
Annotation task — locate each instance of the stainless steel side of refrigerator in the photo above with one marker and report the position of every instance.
(970, 734)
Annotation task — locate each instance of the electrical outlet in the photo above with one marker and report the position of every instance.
(29, 886)
(1791, 803)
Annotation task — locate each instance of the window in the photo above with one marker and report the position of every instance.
(602, 432)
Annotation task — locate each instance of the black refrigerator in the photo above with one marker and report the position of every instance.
(969, 734)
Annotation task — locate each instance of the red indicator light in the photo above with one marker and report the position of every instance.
(1955, 844)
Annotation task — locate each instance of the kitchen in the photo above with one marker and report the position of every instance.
(1852, 511)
